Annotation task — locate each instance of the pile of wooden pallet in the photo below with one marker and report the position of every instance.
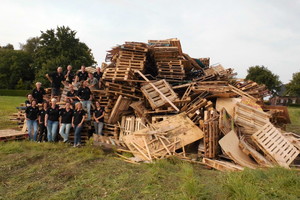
(160, 102)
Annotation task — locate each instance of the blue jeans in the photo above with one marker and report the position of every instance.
(52, 130)
(64, 131)
(77, 134)
(32, 124)
(98, 127)
(87, 105)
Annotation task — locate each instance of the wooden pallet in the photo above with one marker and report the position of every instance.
(118, 74)
(11, 135)
(121, 105)
(271, 141)
(211, 134)
(250, 117)
(154, 98)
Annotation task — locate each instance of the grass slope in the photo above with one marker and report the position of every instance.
(8, 106)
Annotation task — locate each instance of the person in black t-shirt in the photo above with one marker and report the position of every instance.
(98, 116)
(51, 120)
(69, 75)
(82, 74)
(42, 134)
(71, 95)
(98, 75)
(65, 121)
(29, 100)
(38, 93)
(56, 78)
(77, 123)
(31, 114)
(84, 95)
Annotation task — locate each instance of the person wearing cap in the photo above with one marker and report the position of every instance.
(38, 92)
(42, 133)
(65, 121)
(69, 75)
(56, 79)
(77, 123)
(51, 120)
(84, 95)
(31, 114)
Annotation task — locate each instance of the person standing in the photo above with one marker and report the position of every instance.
(69, 75)
(31, 114)
(51, 120)
(65, 121)
(82, 74)
(29, 100)
(98, 116)
(77, 123)
(42, 134)
(84, 95)
(56, 79)
(38, 93)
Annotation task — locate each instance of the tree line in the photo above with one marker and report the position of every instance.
(19, 69)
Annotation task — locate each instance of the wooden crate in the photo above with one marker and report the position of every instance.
(277, 147)
(154, 97)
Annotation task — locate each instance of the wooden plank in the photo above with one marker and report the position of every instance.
(222, 165)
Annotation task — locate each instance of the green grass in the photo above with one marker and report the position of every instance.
(8, 106)
(57, 171)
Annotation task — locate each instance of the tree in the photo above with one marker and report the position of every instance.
(31, 45)
(15, 67)
(8, 46)
(263, 75)
(293, 87)
(60, 47)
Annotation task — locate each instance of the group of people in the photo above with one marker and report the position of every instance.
(46, 121)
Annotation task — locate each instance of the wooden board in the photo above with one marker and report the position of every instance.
(228, 104)
(10, 135)
(120, 106)
(270, 140)
(230, 145)
(222, 165)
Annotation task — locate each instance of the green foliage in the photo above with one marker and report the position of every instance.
(31, 45)
(293, 87)
(8, 46)
(263, 75)
(15, 67)
(60, 47)
(21, 93)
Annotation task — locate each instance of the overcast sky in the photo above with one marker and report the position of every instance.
(236, 34)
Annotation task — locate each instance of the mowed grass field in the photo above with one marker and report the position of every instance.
(51, 171)
(8, 106)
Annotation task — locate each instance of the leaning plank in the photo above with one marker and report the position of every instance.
(222, 165)
(230, 145)
(270, 140)
(120, 106)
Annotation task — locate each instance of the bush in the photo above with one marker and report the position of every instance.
(23, 93)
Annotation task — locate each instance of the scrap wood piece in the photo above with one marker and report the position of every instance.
(222, 165)
(211, 134)
(293, 138)
(241, 93)
(225, 122)
(250, 151)
(277, 147)
(120, 106)
(159, 92)
(228, 104)
(230, 145)
(10, 134)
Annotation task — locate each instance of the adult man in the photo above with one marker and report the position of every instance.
(82, 74)
(84, 95)
(69, 75)
(98, 75)
(38, 93)
(56, 78)
(71, 95)
(92, 82)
